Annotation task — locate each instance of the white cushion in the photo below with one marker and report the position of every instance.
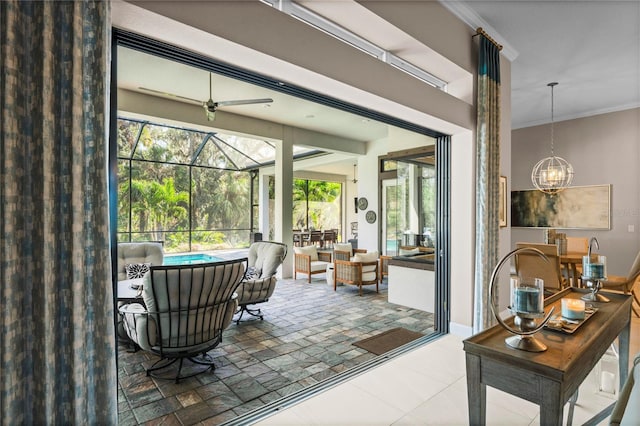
(343, 247)
(368, 276)
(404, 252)
(309, 251)
(371, 256)
(318, 265)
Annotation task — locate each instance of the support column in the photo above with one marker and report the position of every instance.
(284, 199)
(264, 224)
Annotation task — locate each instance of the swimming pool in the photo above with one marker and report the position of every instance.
(189, 259)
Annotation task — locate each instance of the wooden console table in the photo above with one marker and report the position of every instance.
(547, 378)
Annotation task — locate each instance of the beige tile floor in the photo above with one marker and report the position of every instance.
(428, 387)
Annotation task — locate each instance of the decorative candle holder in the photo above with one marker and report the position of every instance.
(527, 304)
(594, 271)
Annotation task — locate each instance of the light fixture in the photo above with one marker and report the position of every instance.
(354, 180)
(552, 174)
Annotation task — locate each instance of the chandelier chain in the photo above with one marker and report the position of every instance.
(552, 86)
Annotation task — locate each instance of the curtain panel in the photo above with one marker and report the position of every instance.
(487, 178)
(58, 347)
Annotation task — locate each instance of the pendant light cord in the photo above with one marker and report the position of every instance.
(552, 85)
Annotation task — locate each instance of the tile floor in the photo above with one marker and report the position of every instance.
(427, 386)
(306, 337)
(310, 340)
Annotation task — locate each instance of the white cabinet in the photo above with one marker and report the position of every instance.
(413, 288)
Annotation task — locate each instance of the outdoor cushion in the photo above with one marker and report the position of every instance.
(265, 258)
(404, 252)
(309, 251)
(343, 247)
(143, 252)
(318, 265)
(366, 257)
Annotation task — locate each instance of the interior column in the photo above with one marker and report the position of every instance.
(284, 199)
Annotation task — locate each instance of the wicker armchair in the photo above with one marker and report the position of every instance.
(344, 251)
(361, 270)
(308, 260)
(384, 267)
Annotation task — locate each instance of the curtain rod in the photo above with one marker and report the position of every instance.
(479, 31)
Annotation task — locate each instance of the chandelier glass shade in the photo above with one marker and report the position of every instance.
(552, 174)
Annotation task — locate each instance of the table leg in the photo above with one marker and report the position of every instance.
(551, 404)
(476, 392)
(623, 352)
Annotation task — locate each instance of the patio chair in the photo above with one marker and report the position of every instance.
(134, 259)
(361, 270)
(186, 309)
(344, 251)
(260, 281)
(308, 260)
(384, 266)
(149, 253)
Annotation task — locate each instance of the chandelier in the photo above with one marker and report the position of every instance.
(552, 174)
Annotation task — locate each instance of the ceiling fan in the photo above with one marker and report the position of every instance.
(211, 106)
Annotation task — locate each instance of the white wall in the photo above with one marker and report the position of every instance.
(603, 149)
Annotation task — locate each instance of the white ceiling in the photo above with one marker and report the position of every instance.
(152, 75)
(591, 48)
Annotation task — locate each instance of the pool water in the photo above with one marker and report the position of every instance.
(189, 259)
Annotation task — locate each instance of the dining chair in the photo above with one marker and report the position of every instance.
(529, 265)
(577, 244)
(626, 284)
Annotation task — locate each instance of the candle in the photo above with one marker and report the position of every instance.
(573, 309)
(526, 300)
(596, 270)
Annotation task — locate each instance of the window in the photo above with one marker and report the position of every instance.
(408, 192)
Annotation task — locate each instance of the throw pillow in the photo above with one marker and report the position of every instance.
(371, 256)
(252, 273)
(343, 247)
(136, 270)
(309, 251)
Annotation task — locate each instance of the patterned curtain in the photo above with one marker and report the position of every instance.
(487, 178)
(57, 349)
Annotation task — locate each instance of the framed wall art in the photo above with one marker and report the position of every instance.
(578, 207)
(502, 215)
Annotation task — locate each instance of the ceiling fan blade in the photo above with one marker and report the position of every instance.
(244, 102)
(170, 95)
